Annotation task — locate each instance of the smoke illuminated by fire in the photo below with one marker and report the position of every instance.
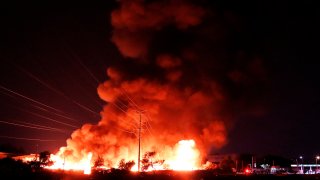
(176, 94)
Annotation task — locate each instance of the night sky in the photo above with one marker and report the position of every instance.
(54, 56)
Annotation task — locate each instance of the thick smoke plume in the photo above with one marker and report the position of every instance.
(177, 74)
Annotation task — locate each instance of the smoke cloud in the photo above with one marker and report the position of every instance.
(136, 21)
(177, 72)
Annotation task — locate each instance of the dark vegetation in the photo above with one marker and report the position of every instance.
(123, 165)
(12, 169)
(16, 169)
(196, 175)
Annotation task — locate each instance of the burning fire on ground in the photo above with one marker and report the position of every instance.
(185, 157)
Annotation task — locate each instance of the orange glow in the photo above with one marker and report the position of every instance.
(64, 164)
(26, 158)
(87, 166)
(184, 156)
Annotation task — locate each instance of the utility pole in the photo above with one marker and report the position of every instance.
(252, 162)
(236, 165)
(242, 165)
(139, 140)
(37, 153)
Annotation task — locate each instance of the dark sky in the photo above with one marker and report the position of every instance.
(57, 54)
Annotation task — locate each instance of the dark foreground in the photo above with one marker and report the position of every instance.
(194, 175)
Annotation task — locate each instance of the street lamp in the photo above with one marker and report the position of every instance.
(317, 158)
(302, 171)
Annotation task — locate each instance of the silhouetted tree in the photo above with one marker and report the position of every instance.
(41, 160)
(148, 161)
(123, 165)
(44, 158)
(98, 162)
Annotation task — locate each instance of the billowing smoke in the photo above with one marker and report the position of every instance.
(136, 21)
(176, 74)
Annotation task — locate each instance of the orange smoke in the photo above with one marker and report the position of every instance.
(175, 101)
(170, 114)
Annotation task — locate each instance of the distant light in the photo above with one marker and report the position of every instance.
(301, 157)
(247, 171)
(318, 157)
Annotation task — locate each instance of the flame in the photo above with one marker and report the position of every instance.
(87, 165)
(173, 102)
(184, 156)
(169, 106)
(26, 158)
(64, 164)
(176, 91)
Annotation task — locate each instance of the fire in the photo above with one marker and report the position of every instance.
(186, 156)
(169, 97)
(64, 164)
(87, 166)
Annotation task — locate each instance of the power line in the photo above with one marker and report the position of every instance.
(122, 103)
(84, 67)
(30, 99)
(35, 114)
(124, 92)
(34, 101)
(131, 132)
(118, 107)
(124, 111)
(50, 119)
(124, 121)
(139, 110)
(56, 90)
(38, 125)
(75, 56)
(28, 139)
(148, 119)
(32, 127)
(45, 110)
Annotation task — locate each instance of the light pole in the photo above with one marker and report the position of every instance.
(301, 164)
(317, 158)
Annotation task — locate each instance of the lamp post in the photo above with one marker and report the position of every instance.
(301, 164)
(317, 158)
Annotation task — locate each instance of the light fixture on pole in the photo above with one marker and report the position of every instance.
(317, 158)
(302, 170)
